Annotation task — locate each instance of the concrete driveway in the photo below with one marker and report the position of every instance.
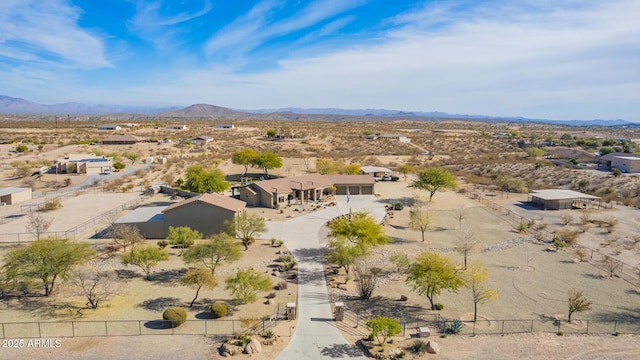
(316, 336)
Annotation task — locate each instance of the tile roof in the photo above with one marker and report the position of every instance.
(352, 179)
(214, 199)
(304, 182)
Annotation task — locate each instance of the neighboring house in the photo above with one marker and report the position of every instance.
(109, 127)
(122, 139)
(14, 195)
(201, 140)
(606, 161)
(205, 213)
(225, 126)
(176, 127)
(627, 164)
(285, 191)
(356, 184)
(84, 164)
(557, 199)
(566, 153)
(400, 138)
(375, 171)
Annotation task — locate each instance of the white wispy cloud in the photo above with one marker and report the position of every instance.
(149, 23)
(48, 32)
(258, 25)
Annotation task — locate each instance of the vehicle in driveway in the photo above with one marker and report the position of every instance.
(106, 172)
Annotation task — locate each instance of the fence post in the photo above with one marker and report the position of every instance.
(615, 326)
(588, 326)
(531, 326)
(39, 330)
(502, 330)
(139, 327)
(559, 324)
(73, 329)
(106, 328)
(474, 328)
(206, 328)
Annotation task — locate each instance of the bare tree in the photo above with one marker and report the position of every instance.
(128, 235)
(611, 265)
(96, 285)
(38, 224)
(460, 213)
(467, 243)
(566, 217)
(577, 303)
(368, 278)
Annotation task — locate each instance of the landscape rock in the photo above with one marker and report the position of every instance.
(433, 347)
(253, 347)
(228, 349)
(403, 298)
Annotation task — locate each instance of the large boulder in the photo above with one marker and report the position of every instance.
(228, 349)
(433, 347)
(253, 347)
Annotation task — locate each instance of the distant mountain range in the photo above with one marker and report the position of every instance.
(17, 106)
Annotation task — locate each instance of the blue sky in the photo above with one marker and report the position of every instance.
(556, 59)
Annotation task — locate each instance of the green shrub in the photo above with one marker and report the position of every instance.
(560, 333)
(52, 204)
(242, 341)
(456, 326)
(398, 206)
(269, 334)
(22, 148)
(176, 315)
(163, 244)
(219, 309)
(439, 306)
(419, 347)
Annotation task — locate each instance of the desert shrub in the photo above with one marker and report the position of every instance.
(271, 295)
(22, 148)
(176, 315)
(560, 333)
(219, 309)
(163, 244)
(269, 334)
(558, 243)
(242, 341)
(611, 222)
(569, 237)
(398, 206)
(566, 218)
(418, 347)
(581, 253)
(52, 204)
(439, 306)
(282, 285)
(585, 218)
(455, 326)
(522, 227)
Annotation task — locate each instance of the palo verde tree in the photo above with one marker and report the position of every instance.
(267, 160)
(183, 236)
(577, 303)
(246, 284)
(430, 273)
(201, 180)
(434, 179)
(212, 252)
(343, 253)
(475, 281)
(406, 169)
(244, 157)
(466, 244)
(47, 260)
(245, 226)
(198, 278)
(359, 229)
(145, 257)
(420, 220)
(383, 328)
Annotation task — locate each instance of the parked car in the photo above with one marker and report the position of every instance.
(106, 172)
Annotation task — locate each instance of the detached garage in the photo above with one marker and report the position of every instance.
(14, 195)
(557, 199)
(357, 184)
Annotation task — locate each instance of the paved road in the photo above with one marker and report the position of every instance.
(316, 336)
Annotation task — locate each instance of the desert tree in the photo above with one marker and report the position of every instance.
(343, 253)
(475, 281)
(127, 235)
(406, 169)
(47, 260)
(210, 253)
(183, 236)
(583, 184)
(434, 179)
(383, 328)
(201, 180)
(197, 278)
(430, 273)
(577, 303)
(132, 155)
(145, 257)
(460, 213)
(246, 284)
(95, 284)
(420, 220)
(611, 265)
(400, 260)
(37, 224)
(267, 160)
(466, 244)
(245, 227)
(359, 229)
(368, 278)
(244, 157)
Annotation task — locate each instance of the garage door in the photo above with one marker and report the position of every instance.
(367, 190)
(341, 190)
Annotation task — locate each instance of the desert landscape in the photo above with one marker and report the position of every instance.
(533, 257)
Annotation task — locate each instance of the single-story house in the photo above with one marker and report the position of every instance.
(606, 161)
(14, 195)
(89, 164)
(557, 199)
(567, 153)
(205, 213)
(627, 164)
(375, 171)
(109, 127)
(176, 127)
(276, 192)
(225, 126)
(122, 139)
(201, 140)
(400, 138)
(355, 184)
